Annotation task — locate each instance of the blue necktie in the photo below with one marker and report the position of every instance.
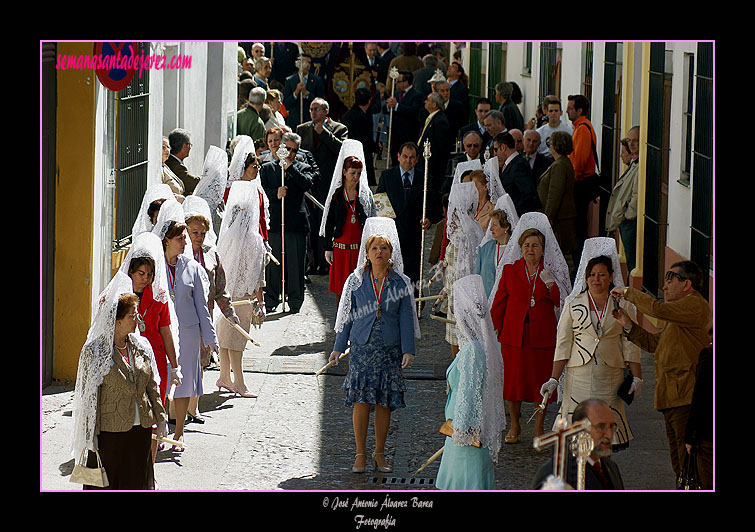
(407, 188)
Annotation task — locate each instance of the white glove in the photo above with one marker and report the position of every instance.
(549, 387)
(636, 387)
(176, 376)
(547, 277)
(329, 257)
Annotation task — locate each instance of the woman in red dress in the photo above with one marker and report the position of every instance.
(348, 206)
(524, 313)
(147, 276)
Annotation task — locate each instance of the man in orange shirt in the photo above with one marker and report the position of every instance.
(584, 160)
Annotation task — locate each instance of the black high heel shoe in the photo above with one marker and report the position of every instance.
(194, 419)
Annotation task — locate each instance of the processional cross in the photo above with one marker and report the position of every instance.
(581, 447)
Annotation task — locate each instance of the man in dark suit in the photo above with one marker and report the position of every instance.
(453, 109)
(421, 82)
(323, 137)
(472, 146)
(538, 162)
(310, 88)
(512, 115)
(404, 185)
(297, 180)
(515, 174)
(601, 473)
(459, 91)
(283, 59)
(358, 120)
(384, 58)
(406, 104)
(180, 147)
(436, 129)
(481, 109)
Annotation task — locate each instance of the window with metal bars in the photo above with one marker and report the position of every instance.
(133, 153)
(701, 237)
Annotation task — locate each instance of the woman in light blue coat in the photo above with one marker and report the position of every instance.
(377, 319)
(188, 285)
(474, 406)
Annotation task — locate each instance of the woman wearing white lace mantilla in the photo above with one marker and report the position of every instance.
(503, 219)
(153, 198)
(211, 186)
(203, 248)
(526, 303)
(188, 286)
(347, 206)
(117, 398)
(377, 318)
(590, 346)
(464, 234)
(474, 406)
(244, 257)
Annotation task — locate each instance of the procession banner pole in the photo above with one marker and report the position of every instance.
(282, 154)
(393, 74)
(427, 156)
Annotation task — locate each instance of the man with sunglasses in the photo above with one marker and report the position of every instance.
(687, 316)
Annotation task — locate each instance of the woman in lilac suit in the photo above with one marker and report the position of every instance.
(188, 285)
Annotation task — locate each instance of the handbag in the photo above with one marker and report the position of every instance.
(623, 390)
(90, 476)
(383, 205)
(689, 478)
(447, 429)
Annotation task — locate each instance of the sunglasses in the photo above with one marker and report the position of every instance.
(671, 274)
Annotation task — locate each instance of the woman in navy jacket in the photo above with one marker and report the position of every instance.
(378, 321)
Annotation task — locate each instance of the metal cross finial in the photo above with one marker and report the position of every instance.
(393, 74)
(427, 153)
(581, 447)
(557, 439)
(282, 152)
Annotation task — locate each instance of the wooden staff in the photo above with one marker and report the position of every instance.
(430, 460)
(299, 65)
(427, 155)
(282, 154)
(428, 298)
(444, 320)
(333, 362)
(314, 200)
(241, 330)
(169, 441)
(541, 407)
(393, 74)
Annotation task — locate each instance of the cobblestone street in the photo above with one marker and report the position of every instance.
(297, 435)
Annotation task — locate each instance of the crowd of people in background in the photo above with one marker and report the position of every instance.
(536, 308)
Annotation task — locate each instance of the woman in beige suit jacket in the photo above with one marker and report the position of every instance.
(128, 405)
(591, 346)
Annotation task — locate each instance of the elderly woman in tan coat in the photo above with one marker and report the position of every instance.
(117, 396)
(555, 188)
